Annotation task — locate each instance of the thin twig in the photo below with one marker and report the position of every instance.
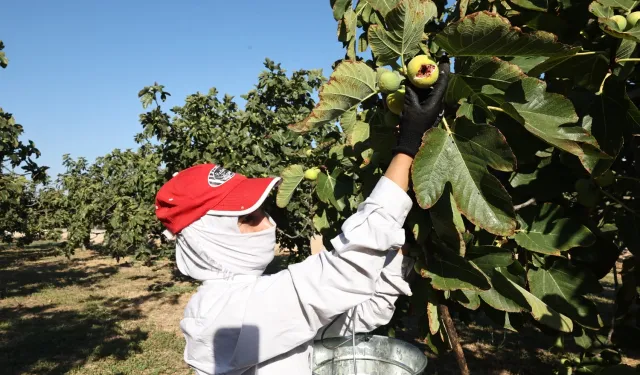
(615, 293)
(443, 310)
(530, 202)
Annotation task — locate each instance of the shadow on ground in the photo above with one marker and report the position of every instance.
(43, 340)
(16, 281)
(55, 337)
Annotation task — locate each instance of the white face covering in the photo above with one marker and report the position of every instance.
(213, 248)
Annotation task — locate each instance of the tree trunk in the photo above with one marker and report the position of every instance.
(453, 337)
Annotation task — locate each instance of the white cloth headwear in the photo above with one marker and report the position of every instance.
(213, 248)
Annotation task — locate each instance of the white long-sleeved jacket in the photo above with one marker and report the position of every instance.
(265, 325)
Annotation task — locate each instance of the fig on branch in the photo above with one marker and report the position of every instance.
(308, 152)
(395, 101)
(389, 82)
(632, 19)
(620, 21)
(607, 178)
(311, 174)
(422, 71)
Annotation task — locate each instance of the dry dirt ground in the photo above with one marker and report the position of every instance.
(93, 315)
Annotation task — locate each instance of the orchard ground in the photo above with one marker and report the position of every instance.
(93, 315)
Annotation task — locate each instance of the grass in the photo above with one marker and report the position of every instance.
(92, 315)
(88, 315)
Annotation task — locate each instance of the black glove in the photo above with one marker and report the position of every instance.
(423, 109)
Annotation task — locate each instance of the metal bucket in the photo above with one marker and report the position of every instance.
(375, 355)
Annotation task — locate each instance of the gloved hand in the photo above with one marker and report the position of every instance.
(423, 109)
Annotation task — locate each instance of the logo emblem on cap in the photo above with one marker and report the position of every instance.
(219, 176)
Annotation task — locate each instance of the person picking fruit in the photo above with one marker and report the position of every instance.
(243, 322)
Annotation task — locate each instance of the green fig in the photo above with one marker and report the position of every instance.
(389, 82)
(311, 174)
(620, 21)
(632, 19)
(606, 179)
(395, 101)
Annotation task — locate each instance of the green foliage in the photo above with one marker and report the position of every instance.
(17, 192)
(542, 101)
(254, 141)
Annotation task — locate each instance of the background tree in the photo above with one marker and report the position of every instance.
(17, 189)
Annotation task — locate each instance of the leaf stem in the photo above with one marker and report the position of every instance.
(587, 53)
(631, 59)
(496, 108)
(446, 125)
(620, 203)
(602, 84)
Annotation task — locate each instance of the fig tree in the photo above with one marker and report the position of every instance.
(422, 71)
(395, 101)
(389, 82)
(311, 174)
(620, 21)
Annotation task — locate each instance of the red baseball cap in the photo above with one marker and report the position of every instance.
(209, 189)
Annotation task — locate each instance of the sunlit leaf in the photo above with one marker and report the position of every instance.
(350, 84)
(403, 32)
(462, 158)
(488, 34)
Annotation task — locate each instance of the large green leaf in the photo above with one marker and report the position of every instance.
(488, 34)
(601, 11)
(539, 5)
(355, 130)
(330, 190)
(627, 5)
(447, 222)
(339, 7)
(474, 74)
(291, 178)
(347, 29)
(467, 298)
(403, 32)
(461, 158)
(383, 6)
(562, 287)
(548, 116)
(449, 271)
(606, 121)
(503, 295)
(350, 84)
(544, 229)
(542, 312)
(320, 221)
(584, 70)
